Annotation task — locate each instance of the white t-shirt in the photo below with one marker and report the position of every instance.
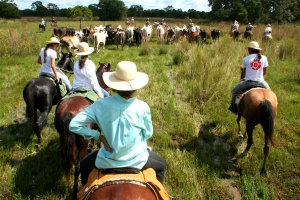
(254, 67)
(86, 77)
(46, 67)
(268, 30)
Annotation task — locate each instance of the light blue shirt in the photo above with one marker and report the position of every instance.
(126, 125)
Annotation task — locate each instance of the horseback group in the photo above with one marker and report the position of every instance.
(234, 31)
(85, 111)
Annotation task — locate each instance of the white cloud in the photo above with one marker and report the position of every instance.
(199, 5)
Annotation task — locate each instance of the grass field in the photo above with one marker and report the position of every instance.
(189, 92)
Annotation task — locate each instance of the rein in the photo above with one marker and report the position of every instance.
(68, 71)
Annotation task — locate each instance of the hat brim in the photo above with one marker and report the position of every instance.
(111, 81)
(88, 52)
(254, 48)
(52, 42)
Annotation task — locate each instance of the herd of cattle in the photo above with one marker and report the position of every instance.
(100, 35)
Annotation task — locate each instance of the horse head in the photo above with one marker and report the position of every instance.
(66, 63)
(104, 67)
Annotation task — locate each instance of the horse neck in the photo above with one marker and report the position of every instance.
(66, 65)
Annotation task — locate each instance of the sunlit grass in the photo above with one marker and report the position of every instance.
(188, 92)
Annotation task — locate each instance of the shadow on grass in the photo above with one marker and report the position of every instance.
(41, 174)
(215, 151)
(16, 133)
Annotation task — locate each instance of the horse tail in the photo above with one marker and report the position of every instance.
(67, 144)
(29, 100)
(268, 120)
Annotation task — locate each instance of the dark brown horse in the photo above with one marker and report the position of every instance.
(248, 35)
(41, 94)
(235, 34)
(70, 142)
(258, 106)
(42, 27)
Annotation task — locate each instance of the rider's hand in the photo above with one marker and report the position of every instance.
(106, 145)
(57, 79)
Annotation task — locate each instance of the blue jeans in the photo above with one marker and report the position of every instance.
(64, 79)
(154, 161)
(245, 85)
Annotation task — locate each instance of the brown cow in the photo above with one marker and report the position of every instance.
(68, 42)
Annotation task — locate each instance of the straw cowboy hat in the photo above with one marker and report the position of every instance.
(253, 45)
(84, 49)
(53, 40)
(126, 77)
(269, 25)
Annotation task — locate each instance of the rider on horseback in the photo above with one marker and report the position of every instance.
(249, 27)
(254, 67)
(85, 71)
(268, 31)
(47, 58)
(126, 125)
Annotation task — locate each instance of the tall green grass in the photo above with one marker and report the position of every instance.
(189, 92)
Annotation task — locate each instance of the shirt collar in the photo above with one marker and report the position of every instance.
(119, 98)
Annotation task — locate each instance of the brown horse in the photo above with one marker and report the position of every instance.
(258, 106)
(235, 34)
(248, 35)
(66, 110)
(124, 191)
(104, 67)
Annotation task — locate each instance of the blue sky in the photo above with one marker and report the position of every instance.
(199, 5)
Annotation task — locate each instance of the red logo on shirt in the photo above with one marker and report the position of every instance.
(255, 64)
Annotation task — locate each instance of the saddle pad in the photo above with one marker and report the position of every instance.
(89, 94)
(97, 179)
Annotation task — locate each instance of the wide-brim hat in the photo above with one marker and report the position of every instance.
(254, 45)
(126, 77)
(269, 25)
(53, 40)
(84, 49)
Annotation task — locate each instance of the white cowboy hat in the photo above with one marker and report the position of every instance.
(53, 40)
(119, 27)
(126, 77)
(269, 25)
(83, 49)
(253, 45)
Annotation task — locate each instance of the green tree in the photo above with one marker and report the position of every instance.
(94, 8)
(135, 11)
(111, 9)
(53, 8)
(80, 12)
(39, 9)
(9, 10)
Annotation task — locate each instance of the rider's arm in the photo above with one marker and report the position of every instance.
(243, 70)
(39, 60)
(54, 68)
(264, 71)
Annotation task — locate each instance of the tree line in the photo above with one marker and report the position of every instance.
(254, 11)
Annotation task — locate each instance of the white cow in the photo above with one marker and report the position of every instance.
(160, 33)
(99, 38)
(147, 30)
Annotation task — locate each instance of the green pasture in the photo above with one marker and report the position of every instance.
(189, 92)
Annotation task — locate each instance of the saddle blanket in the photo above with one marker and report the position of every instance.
(240, 96)
(89, 94)
(97, 180)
